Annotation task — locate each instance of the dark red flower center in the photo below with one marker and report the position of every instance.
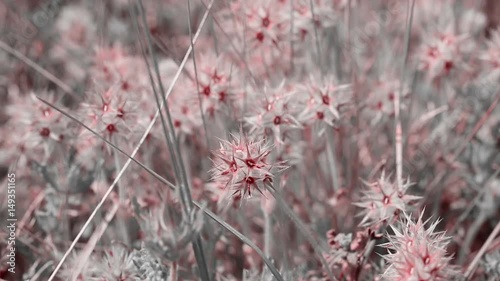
(111, 128)
(266, 22)
(250, 163)
(326, 99)
(259, 36)
(45, 132)
(206, 91)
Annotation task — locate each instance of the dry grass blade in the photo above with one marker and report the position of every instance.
(173, 144)
(196, 76)
(67, 89)
(302, 228)
(472, 266)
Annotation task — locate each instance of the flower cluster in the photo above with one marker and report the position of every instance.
(120, 122)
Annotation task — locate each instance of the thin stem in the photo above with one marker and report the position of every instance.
(316, 36)
(302, 228)
(331, 151)
(473, 203)
(67, 89)
(173, 271)
(268, 230)
(242, 56)
(465, 247)
(175, 154)
(122, 194)
(196, 76)
(96, 236)
(40, 271)
(484, 248)
(397, 104)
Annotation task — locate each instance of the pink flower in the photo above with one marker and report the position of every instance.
(112, 113)
(36, 129)
(263, 22)
(382, 200)
(185, 110)
(324, 103)
(417, 253)
(216, 81)
(381, 100)
(243, 165)
(275, 112)
(441, 54)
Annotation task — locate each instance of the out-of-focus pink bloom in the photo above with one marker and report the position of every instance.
(275, 112)
(441, 54)
(382, 200)
(263, 22)
(324, 102)
(216, 81)
(35, 129)
(381, 100)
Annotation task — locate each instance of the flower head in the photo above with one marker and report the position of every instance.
(383, 199)
(325, 100)
(416, 253)
(243, 165)
(275, 112)
(441, 54)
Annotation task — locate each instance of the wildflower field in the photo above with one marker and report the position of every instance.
(255, 140)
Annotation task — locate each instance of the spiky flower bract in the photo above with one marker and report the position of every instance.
(383, 199)
(417, 252)
(243, 164)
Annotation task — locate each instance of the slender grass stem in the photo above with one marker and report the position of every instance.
(96, 236)
(472, 266)
(331, 151)
(465, 247)
(316, 38)
(196, 76)
(173, 271)
(398, 139)
(122, 195)
(437, 192)
(302, 228)
(268, 230)
(173, 147)
(67, 89)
